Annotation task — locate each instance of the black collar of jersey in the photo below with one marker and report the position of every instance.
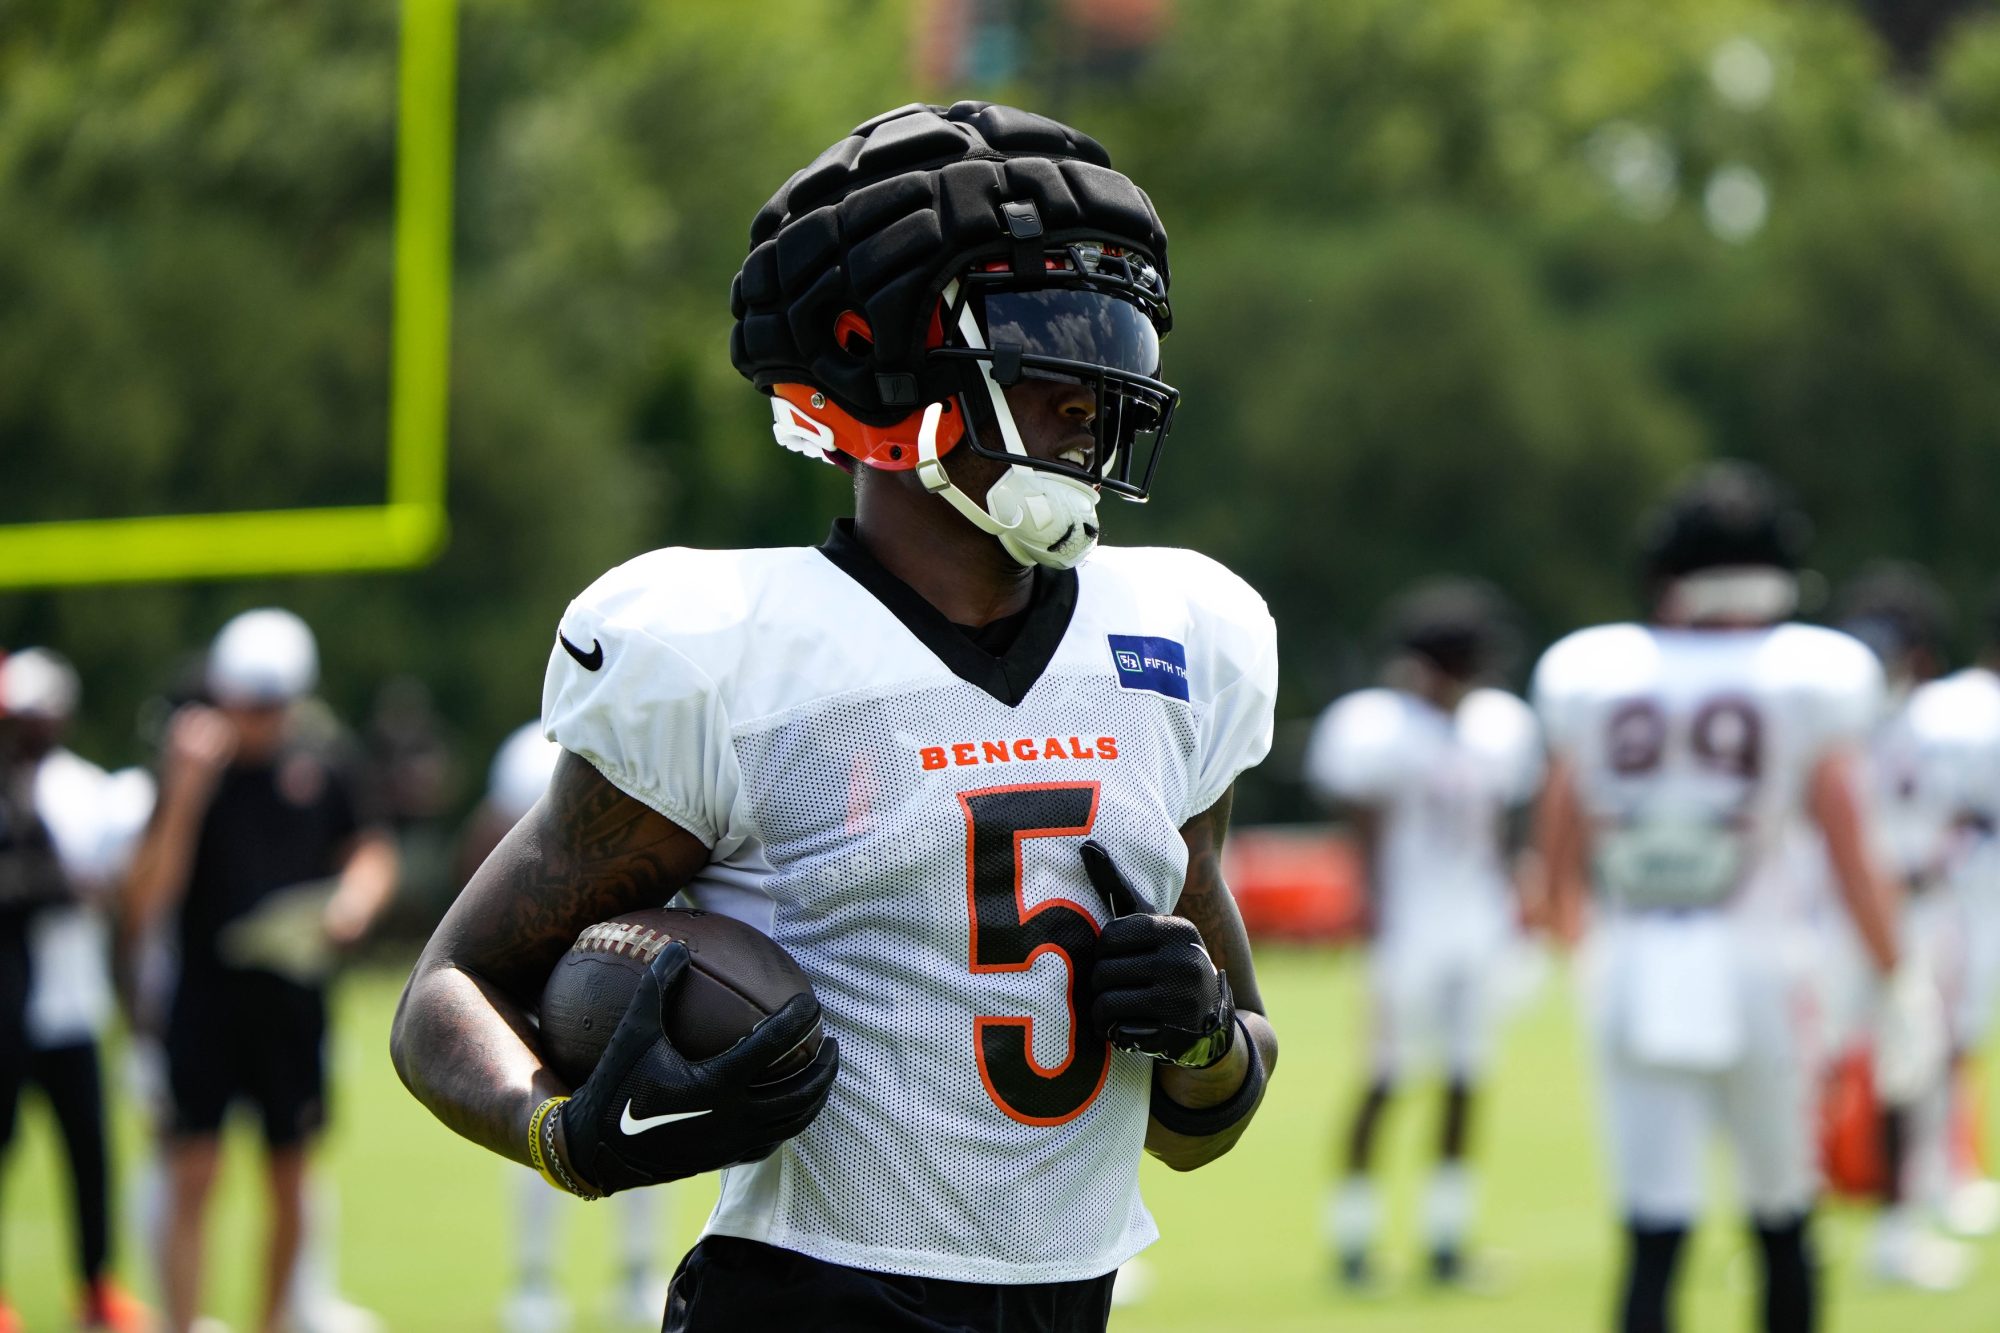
(1007, 676)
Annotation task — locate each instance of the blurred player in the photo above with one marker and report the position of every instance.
(1913, 767)
(1948, 738)
(521, 771)
(31, 882)
(262, 844)
(91, 820)
(1968, 703)
(974, 777)
(1429, 770)
(1682, 751)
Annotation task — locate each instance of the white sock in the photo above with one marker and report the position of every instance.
(313, 1284)
(1927, 1173)
(1448, 1206)
(152, 1204)
(1353, 1215)
(638, 1229)
(1894, 1226)
(537, 1229)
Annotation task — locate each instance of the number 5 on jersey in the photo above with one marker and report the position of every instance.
(1008, 935)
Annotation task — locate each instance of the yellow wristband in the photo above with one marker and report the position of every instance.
(535, 1155)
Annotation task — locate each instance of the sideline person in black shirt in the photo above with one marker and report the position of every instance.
(261, 842)
(30, 880)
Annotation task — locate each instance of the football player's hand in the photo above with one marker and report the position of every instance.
(648, 1114)
(1154, 988)
(200, 743)
(1910, 1038)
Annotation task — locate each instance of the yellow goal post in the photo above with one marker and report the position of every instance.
(409, 528)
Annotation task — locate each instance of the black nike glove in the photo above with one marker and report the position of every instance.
(1154, 988)
(647, 1114)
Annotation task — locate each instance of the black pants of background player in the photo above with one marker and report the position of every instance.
(726, 1285)
(13, 1023)
(69, 1079)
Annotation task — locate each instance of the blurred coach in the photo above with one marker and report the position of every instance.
(261, 841)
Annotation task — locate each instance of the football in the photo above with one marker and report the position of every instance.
(736, 978)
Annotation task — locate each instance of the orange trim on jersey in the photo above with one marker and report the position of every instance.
(983, 1021)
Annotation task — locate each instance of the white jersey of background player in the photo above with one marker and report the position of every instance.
(1429, 770)
(1956, 720)
(1682, 753)
(1960, 716)
(519, 775)
(1959, 719)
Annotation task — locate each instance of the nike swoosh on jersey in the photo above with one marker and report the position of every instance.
(589, 661)
(631, 1124)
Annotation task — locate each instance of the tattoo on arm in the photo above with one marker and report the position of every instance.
(586, 852)
(463, 1042)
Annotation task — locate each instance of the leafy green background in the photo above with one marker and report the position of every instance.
(1419, 327)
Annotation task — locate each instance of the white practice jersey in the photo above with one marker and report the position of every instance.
(1952, 728)
(94, 820)
(902, 811)
(1692, 751)
(1914, 764)
(1954, 725)
(1443, 784)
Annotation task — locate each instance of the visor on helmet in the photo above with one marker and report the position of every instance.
(1093, 318)
(1070, 324)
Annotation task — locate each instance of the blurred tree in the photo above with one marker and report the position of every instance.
(1460, 286)
(1913, 28)
(1856, 360)
(194, 250)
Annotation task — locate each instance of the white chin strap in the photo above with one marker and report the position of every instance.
(1040, 518)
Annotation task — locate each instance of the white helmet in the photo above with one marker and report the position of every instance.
(267, 656)
(36, 682)
(521, 770)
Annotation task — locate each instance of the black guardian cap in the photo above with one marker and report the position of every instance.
(1730, 514)
(935, 248)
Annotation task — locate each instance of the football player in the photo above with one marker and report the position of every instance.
(92, 820)
(1947, 738)
(1969, 702)
(1913, 768)
(1429, 769)
(1682, 751)
(972, 770)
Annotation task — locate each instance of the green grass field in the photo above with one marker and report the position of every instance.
(425, 1229)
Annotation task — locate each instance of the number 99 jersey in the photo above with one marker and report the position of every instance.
(902, 811)
(1692, 750)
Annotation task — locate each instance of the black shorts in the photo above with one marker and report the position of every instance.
(727, 1285)
(247, 1036)
(13, 1017)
